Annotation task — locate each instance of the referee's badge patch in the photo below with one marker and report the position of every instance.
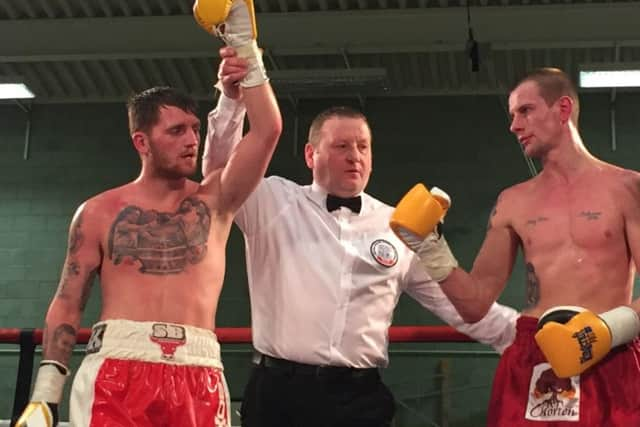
(384, 253)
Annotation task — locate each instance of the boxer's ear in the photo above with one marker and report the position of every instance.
(140, 142)
(565, 106)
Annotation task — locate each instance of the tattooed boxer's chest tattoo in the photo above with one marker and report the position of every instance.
(590, 215)
(533, 286)
(535, 221)
(162, 242)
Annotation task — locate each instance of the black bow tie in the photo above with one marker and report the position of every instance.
(335, 202)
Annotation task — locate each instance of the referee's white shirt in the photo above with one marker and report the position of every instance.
(324, 285)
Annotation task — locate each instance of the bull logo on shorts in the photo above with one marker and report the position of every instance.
(552, 398)
(169, 337)
(384, 253)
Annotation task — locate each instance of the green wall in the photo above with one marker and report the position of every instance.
(461, 144)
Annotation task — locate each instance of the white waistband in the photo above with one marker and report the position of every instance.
(155, 342)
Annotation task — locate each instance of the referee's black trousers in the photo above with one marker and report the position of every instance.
(288, 394)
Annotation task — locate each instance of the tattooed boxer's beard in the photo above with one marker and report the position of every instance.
(169, 168)
(175, 172)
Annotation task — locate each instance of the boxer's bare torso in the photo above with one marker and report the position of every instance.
(158, 260)
(577, 222)
(573, 234)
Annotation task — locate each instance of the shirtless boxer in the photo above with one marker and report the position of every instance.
(578, 225)
(158, 245)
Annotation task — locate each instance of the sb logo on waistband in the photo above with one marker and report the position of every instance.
(169, 337)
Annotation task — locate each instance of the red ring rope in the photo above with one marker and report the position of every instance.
(243, 335)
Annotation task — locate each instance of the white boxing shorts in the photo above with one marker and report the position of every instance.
(150, 374)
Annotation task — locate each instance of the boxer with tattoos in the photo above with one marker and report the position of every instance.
(578, 226)
(158, 247)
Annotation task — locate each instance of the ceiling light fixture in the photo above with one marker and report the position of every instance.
(609, 75)
(13, 87)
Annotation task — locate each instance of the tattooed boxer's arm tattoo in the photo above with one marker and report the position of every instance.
(82, 262)
(76, 236)
(161, 242)
(533, 286)
(58, 344)
(494, 211)
(73, 272)
(86, 289)
(590, 215)
(71, 268)
(76, 276)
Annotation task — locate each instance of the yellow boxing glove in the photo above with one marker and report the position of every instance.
(415, 221)
(585, 339)
(234, 21)
(211, 14)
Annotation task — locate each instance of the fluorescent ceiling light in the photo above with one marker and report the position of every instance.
(610, 75)
(14, 87)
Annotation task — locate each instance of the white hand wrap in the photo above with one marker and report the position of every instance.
(436, 257)
(257, 74)
(413, 241)
(238, 32)
(50, 382)
(623, 323)
(237, 29)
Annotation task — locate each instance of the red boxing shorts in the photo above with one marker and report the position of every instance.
(150, 374)
(527, 393)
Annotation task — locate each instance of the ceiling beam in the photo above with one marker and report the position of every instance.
(408, 92)
(89, 10)
(359, 31)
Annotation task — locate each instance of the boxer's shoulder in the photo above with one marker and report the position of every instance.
(625, 181)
